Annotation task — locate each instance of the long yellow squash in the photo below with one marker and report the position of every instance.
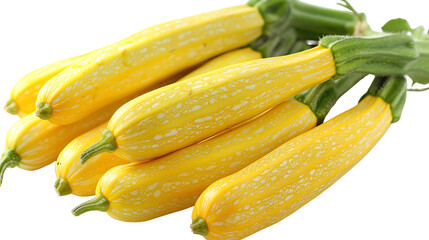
(143, 191)
(81, 180)
(192, 110)
(181, 114)
(144, 59)
(24, 93)
(284, 180)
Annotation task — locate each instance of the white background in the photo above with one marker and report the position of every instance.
(383, 197)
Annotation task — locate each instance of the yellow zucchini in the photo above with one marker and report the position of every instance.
(143, 191)
(285, 179)
(144, 59)
(81, 180)
(189, 111)
(23, 97)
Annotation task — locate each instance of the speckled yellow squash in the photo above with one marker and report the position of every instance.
(143, 191)
(23, 97)
(143, 59)
(181, 114)
(81, 180)
(189, 111)
(285, 179)
(78, 179)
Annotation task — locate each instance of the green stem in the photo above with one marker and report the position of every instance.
(313, 22)
(385, 54)
(199, 226)
(289, 20)
(106, 143)
(11, 107)
(323, 97)
(417, 89)
(99, 203)
(62, 187)
(9, 159)
(393, 90)
(43, 110)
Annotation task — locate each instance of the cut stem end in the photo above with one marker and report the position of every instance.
(199, 226)
(43, 110)
(107, 143)
(62, 187)
(99, 203)
(11, 107)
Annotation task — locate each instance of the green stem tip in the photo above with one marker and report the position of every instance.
(199, 226)
(62, 187)
(11, 107)
(43, 110)
(106, 143)
(9, 159)
(99, 203)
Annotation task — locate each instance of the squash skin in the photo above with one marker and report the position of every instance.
(143, 191)
(287, 178)
(144, 59)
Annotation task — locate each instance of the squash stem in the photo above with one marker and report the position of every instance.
(43, 110)
(11, 107)
(9, 159)
(321, 98)
(199, 226)
(99, 203)
(106, 143)
(62, 187)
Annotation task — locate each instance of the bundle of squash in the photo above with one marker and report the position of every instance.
(223, 111)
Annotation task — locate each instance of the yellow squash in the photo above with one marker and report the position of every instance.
(143, 191)
(184, 113)
(24, 93)
(285, 179)
(144, 59)
(81, 180)
(78, 179)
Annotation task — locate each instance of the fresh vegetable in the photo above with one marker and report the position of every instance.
(287, 178)
(175, 181)
(81, 180)
(184, 113)
(161, 51)
(24, 94)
